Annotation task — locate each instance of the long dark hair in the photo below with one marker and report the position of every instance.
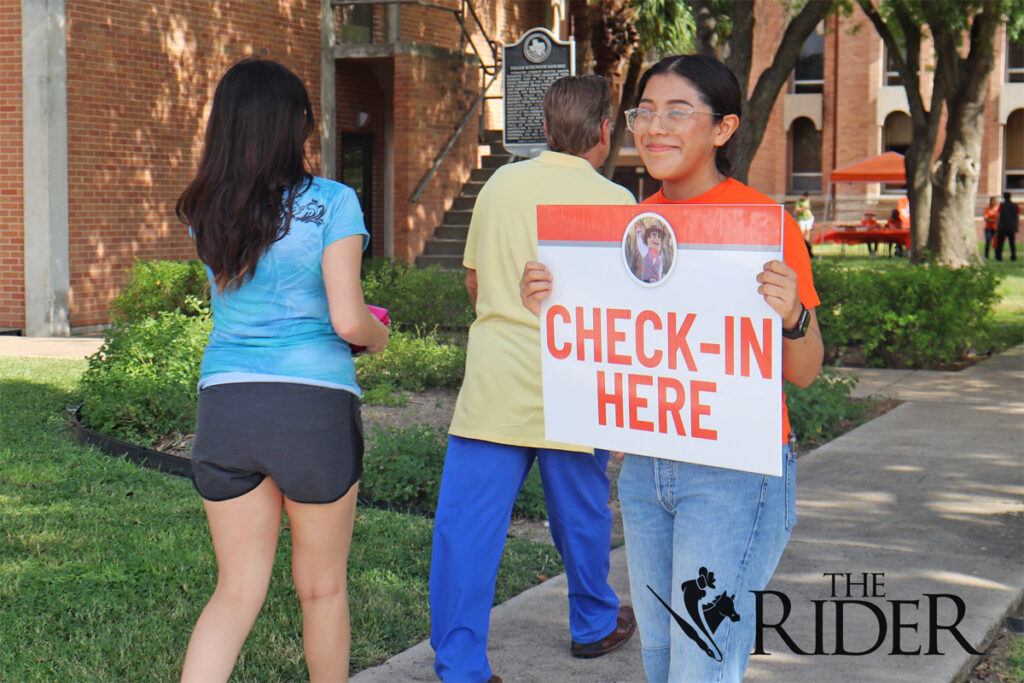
(253, 155)
(716, 84)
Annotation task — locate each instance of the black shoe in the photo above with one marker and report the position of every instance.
(625, 627)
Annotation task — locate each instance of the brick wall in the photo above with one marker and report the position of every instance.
(12, 261)
(431, 96)
(140, 79)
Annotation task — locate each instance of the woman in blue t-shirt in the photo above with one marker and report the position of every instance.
(278, 423)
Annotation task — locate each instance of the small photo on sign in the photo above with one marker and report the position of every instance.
(649, 249)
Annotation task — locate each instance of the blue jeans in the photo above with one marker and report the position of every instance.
(480, 483)
(683, 523)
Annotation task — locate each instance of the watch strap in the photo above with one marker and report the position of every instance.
(802, 323)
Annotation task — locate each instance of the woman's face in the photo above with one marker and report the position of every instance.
(689, 150)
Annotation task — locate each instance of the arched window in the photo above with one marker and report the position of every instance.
(897, 133)
(1013, 152)
(805, 157)
(809, 73)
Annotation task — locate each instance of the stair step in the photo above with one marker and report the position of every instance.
(447, 262)
(491, 136)
(437, 247)
(463, 203)
(450, 232)
(481, 175)
(457, 217)
(471, 189)
(494, 160)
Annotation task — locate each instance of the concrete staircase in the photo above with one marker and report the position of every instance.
(449, 241)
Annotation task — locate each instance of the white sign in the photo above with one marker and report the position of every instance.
(655, 340)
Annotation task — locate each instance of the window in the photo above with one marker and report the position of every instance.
(892, 76)
(809, 74)
(1013, 152)
(356, 24)
(357, 172)
(1014, 60)
(805, 145)
(897, 134)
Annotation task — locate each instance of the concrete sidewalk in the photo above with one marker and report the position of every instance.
(928, 497)
(49, 347)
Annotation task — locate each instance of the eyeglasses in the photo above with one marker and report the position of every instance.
(639, 120)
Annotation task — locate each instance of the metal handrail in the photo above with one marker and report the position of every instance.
(491, 70)
(451, 142)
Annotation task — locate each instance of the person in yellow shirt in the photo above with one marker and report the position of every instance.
(497, 430)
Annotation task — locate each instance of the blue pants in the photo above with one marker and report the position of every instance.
(679, 519)
(480, 484)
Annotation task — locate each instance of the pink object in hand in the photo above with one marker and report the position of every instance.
(381, 315)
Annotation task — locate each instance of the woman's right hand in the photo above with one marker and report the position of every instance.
(535, 285)
(381, 339)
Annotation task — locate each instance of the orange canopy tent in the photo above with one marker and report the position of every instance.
(885, 168)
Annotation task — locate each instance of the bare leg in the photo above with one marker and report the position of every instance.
(244, 532)
(321, 536)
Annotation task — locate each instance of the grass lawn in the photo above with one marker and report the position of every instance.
(105, 566)
(1008, 313)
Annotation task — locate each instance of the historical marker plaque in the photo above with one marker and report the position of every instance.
(529, 67)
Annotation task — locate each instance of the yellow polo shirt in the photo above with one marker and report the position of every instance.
(501, 399)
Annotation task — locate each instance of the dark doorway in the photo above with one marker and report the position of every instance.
(357, 173)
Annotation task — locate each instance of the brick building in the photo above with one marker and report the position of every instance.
(103, 104)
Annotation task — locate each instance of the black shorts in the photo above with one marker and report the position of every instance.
(307, 439)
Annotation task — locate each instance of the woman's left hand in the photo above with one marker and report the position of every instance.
(778, 287)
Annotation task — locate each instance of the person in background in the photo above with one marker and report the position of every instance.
(278, 422)
(991, 214)
(804, 218)
(1006, 228)
(895, 223)
(869, 223)
(686, 524)
(497, 430)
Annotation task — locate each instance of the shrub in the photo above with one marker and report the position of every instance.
(141, 384)
(156, 286)
(404, 466)
(904, 315)
(412, 363)
(417, 298)
(817, 412)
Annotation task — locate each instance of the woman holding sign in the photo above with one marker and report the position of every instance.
(699, 539)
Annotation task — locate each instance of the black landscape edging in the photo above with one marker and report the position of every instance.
(140, 455)
(182, 467)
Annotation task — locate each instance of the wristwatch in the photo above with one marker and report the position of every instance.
(802, 323)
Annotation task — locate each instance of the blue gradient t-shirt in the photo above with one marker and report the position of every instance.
(276, 327)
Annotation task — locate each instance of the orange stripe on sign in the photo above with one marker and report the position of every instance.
(692, 224)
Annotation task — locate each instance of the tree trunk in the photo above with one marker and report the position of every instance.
(917, 165)
(917, 168)
(758, 108)
(952, 234)
(619, 130)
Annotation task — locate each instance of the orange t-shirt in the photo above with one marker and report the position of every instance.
(794, 251)
(991, 217)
